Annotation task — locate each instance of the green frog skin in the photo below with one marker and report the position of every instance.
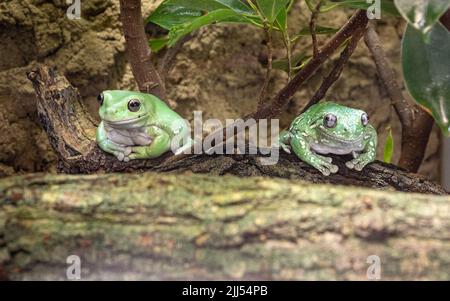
(330, 128)
(135, 125)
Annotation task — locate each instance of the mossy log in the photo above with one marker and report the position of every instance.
(71, 131)
(187, 226)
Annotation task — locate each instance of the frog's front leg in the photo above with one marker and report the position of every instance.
(284, 140)
(109, 146)
(160, 144)
(302, 149)
(369, 152)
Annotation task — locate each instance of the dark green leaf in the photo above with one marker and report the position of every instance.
(423, 14)
(426, 69)
(389, 147)
(220, 15)
(175, 12)
(271, 8)
(281, 21)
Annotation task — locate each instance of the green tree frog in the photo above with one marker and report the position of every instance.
(330, 128)
(135, 125)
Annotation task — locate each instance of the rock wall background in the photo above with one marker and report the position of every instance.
(219, 72)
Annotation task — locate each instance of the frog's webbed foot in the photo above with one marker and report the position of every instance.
(123, 154)
(358, 163)
(323, 164)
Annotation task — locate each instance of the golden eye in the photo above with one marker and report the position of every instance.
(330, 121)
(365, 119)
(134, 105)
(100, 98)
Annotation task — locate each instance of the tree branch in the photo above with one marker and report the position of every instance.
(263, 92)
(138, 50)
(188, 227)
(357, 21)
(335, 73)
(416, 123)
(312, 28)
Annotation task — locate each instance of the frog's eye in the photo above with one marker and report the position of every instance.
(364, 119)
(100, 98)
(330, 120)
(134, 105)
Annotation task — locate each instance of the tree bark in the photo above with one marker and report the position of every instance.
(71, 131)
(158, 226)
(138, 51)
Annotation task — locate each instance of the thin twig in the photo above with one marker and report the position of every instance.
(263, 92)
(312, 28)
(288, 46)
(335, 73)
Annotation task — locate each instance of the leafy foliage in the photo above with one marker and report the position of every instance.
(182, 17)
(426, 69)
(270, 9)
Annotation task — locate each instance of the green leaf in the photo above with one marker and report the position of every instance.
(220, 15)
(271, 8)
(305, 31)
(158, 43)
(387, 6)
(388, 147)
(426, 69)
(422, 15)
(283, 64)
(176, 12)
(281, 21)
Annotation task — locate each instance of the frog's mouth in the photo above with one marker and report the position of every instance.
(125, 122)
(334, 138)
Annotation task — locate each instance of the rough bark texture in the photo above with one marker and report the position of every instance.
(71, 131)
(160, 226)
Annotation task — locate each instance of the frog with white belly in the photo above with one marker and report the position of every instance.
(138, 126)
